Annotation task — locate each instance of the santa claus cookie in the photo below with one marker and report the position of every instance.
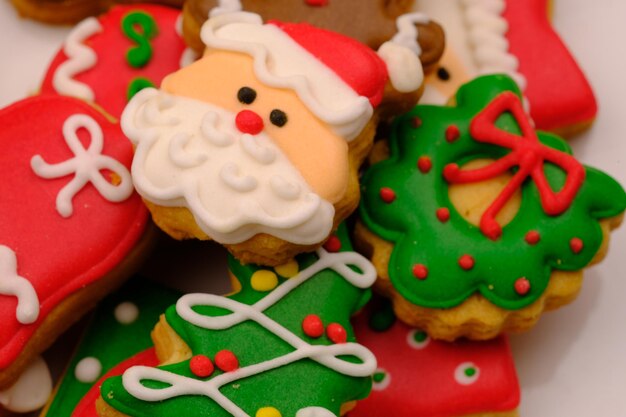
(282, 344)
(72, 11)
(371, 22)
(476, 222)
(421, 377)
(257, 144)
(71, 227)
(118, 330)
(516, 38)
(106, 60)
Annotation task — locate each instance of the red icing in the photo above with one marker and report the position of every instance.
(333, 244)
(226, 360)
(527, 153)
(466, 262)
(248, 121)
(422, 380)
(576, 245)
(201, 366)
(522, 286)
(87, 406)
(533, 237)
(57, 255)
(452, 133)
(356, 64)
(336, 333)
(313, 326)
(111, 76)
(387, 195)
(424, 164)
(416, 122)
(558, 91)
(420, 271)
(443, 214)
(316, 3)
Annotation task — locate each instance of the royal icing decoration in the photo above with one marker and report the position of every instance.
(86, 166)
(245, 368)
(126, 312)
(31, 391)
(12, 284)
(560, 200)
(88, 370)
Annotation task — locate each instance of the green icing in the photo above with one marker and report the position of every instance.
(110, 341)
(420, 238)
(136, 85)
(139, 27)
(300, 384)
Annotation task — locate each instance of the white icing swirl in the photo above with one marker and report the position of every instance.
(11, 283)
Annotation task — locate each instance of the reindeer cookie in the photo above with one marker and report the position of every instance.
(476, 222)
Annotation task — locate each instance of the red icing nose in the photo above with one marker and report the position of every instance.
(248, 121)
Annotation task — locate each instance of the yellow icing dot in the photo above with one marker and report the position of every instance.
(264, 280)
(268, 412)
(287, 270)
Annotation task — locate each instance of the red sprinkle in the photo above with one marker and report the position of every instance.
(443, 214)
(226, 360)
(336, 333)
(313, 326)
(522, 286)
(576, 245)
(420, 271)
(466, 262)
(416, 122)
(452, 133)
(387, 195)
(333, 244)
(424, 164)
(201, 366)
(317, 3)
(532, 237)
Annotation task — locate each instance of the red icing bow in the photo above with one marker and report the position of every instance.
(527, 153)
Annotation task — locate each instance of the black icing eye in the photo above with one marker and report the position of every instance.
(443, 74)
(246, 95)
(278, 117)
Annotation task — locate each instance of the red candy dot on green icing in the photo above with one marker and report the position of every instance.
(336, 333)
(466, 262)
(333, 244)
(424, 164)
(522, 286)
(387, 195)
(201, 366)
(312, 326)
(576, 245)
(452, 133)
(226, 360)
(416, 122)
(443, 214)
(420, 271)
(532, 237)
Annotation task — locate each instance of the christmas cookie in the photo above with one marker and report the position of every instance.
(516, 38)
(119, 329)
(257, 144)
(371, 22)
(106, 60)
(71, 226)
(282, 344)
(72, 11)
(476, 222)
(421, 377)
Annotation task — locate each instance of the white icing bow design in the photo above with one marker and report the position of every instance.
(13, 284)
(86, 166)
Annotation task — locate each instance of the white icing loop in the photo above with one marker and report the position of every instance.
(31, 391)
(407, 34)
(11, 283)
(80, 58)
(328, 356)
(262, 154)
(231, 175)
(86, 166)
(284, 189)
(180, 156)
(209, 131)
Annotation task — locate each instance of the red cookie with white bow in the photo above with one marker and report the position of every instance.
(106, 60)
(71, 226)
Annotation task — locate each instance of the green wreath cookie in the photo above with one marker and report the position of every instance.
(439, 259)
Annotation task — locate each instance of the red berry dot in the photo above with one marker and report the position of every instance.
(387, 195)
(424, 164)
(576, 245)
(416, 122)
(443, 214)
(226, 360)
(466, 262)
(336, 333)
(333, 244)
(201, 366)
(532, 237)
(452, 133)
(522, 286)
(313, 326)
(420, 271)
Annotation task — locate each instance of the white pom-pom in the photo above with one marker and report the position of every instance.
(403, 65)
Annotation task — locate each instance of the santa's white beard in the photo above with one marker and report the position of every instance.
(190, 154)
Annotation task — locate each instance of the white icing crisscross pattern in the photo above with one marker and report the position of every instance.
(325, 355)
(12, 284)
(86, 166)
